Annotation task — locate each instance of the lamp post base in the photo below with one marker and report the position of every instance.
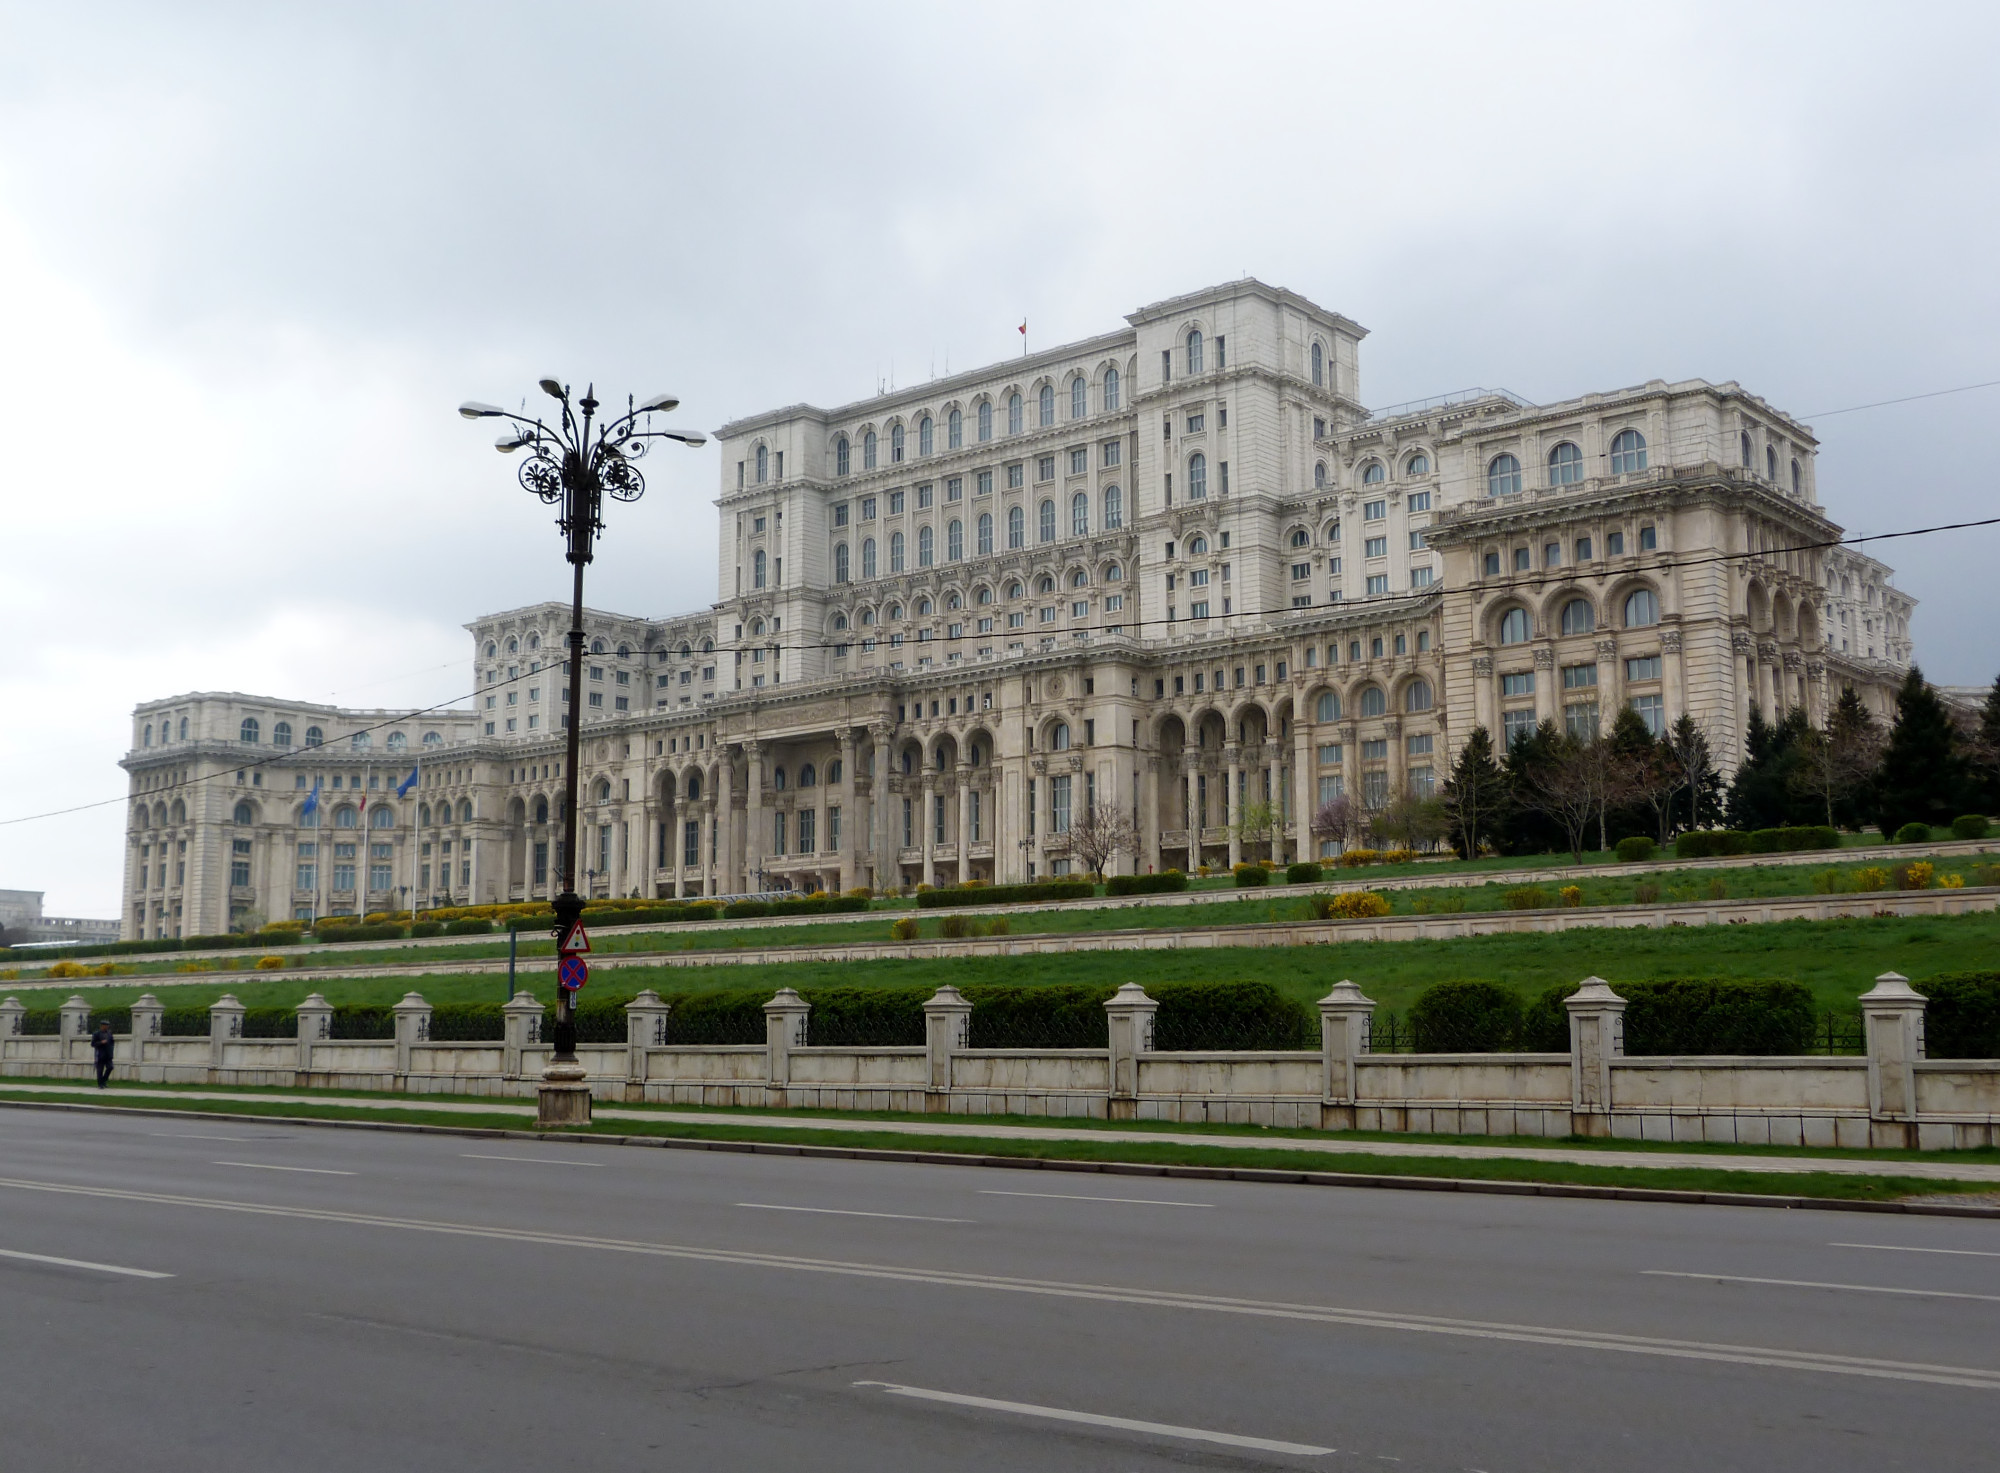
(562, 1098)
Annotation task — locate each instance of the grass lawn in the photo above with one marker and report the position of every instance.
(1838, 959)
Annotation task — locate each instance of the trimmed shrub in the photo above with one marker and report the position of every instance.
(1914, 833)
(1526, 897)
(1249, 875)
(1167, 881)
(1787, 840)
(1692, 1015)
(356, 932)
(999, 926)
(1057, 1015)
(1645, 893)
(1711, 843)
(903, 929)
(1358, 905)
(1969, 826)
(470, 926)
(359, 1021)
(1466, 1018)
(1356, 858)
(1636, 849)
(1446, 903)
(270, 963)
(1962, 1020)
(1305, 872)
(865, 1017)
(1007, 894)
(420, 929)
(954, 927)
(1230, 1015)
(731, 1016)
(1398, 856)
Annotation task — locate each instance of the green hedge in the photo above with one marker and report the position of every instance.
(1305, 872)
(1467, 1018)
(1969, 826)
(1008, 894)
(1914, 833)
(382, 931)
(1710, 843)
(421, 929)
(1962, 1020)
(1248, 876)
(1160, 884)
(1231, 1015)
(1691, 1015)
(1783, 841)
(804, 906)
(1636, 849)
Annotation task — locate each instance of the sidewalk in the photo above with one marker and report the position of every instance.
(1942, 1169)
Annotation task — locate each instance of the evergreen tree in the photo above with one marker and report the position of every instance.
(1922, 778)
(1763, 795)
(1640, 774)
(1476, 795)
(1984, 788)
(1698, 804)
(1529, 829)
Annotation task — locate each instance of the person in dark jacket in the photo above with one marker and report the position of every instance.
(103, 1044)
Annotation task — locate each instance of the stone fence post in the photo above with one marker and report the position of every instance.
(784, 1030)
(147, 1011)
(315, 1025)
(225, 1024)
(1893, 1014)
(520, 1025)
(1596, 1037)
(645, 1027)
(413, 1026)
(1346, 1028)
(947, 1026)
(73, 1026)
(1129, 1013)
(13, 1018)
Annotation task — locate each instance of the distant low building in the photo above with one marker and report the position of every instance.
(22, 919)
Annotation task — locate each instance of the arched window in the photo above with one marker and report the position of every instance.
(926, 547)
(397, 741)
(985, 420)
(1079, 515)
(597, 646)
(1046, 528)
(895, 444)
(840, 562)
(867, 618)
(1417, 465)
(1197, 476)
(1017, 524)
(763, 464)
(1770, 462)
(345, 818)
(1319, 474)
(756, 626)
(1319, 366)
(314, 736)
(431, 739)
(382, 816)
(1565, 465)
(309, 820)
(1079, 397)
(1514, 626)
(248, 732)
(1197, 545)
(1079, 579)
(1014, 590)
(245, 816)
(1301, 537)
(184, 728)
(1374, 473)
(778, 778)
(984, 596)
(757, 569)
(1013, 414)
(1628, 452)
(541, 807)
(534, 641)
(952, 601)
(1194, 350)
(1328, 708)
(624, 651)
(1747, 462)
(985, 534)
(808, 777)
(1642, 608)
(513, 645)
(465, 810)
(1373, 701)
(1114, 508)
(1045, 405)
(1113, 573)
(1059, 737)
(1417, 696)
(895, 552)
(954, 430)
(1110, 389)
(148, 740)
(361, 741)
(926, 437)
(868, 451)
(1503, 476)
(954, 541)
(1578, 617)
(839, 622)
(841, 462)
(868, 557)
(1798, 483)
(685, 651)
(281, 734)
(492, 649)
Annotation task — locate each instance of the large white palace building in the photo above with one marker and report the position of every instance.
(1177, 568)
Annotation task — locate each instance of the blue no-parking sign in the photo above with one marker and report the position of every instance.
(571, 973)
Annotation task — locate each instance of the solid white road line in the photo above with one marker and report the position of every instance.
(184, 1135)
(529, 1160)
(1079, 1197)
(1096, 1419)
(1902, 1248)
(1977, 1378)
(849, 1212)
(1667, 1273)
(262, 1166)
(102, 1268)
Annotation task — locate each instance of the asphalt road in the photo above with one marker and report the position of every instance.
(341, 1300)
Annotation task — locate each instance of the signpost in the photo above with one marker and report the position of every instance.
(571, 973)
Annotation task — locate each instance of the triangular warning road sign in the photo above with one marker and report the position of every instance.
(576, 943)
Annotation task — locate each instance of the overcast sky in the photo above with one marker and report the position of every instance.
(252, 256)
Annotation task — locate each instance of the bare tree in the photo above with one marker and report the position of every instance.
(1256, 823)
(1101, 832)
(1340, 819)
(1578, 782)
(1412, 822)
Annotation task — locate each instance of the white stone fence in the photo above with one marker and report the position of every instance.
(1891, 1096)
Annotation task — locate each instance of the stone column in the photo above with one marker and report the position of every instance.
(413, 1026)
(784, 1030)
(13, 1017)
(520, 1026)
(1305, 798)
(1596, 1037)
(73, 1028)
(1399, 757)
(315, 1024)
(1130, 1015)
(1232, 810)
(754, 835)
(1150, 815)
(1673, 677)
(1485, 709)
(645, 1027)
(881, 811)
(225, 1024)
(1274, 752)
(1548, 700)
(926, 793)
(1346, 1025)
(1893, 1014)
(964, 775)
(727, 872)
(1191, 774)
(147, 1012)
(850, 826)
(1350, 763)
(947, 1026)
(1610, 684)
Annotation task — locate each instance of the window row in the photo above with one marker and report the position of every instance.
(513, 645)
(1565, 464)
(954, 425)
(1372, 700)
(1641, 610)
(1110, 518)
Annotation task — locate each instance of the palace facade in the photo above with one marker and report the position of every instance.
(1177, 569)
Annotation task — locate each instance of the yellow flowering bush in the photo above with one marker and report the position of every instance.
(1571, 894)
(270, 963)
(1871, 877)
(1359, 905)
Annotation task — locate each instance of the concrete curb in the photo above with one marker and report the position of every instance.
(1472, 1185)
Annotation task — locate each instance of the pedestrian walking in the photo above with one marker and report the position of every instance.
(103, 1045)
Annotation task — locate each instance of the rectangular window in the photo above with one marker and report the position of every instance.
(1583, 549)
(308, 877)
(1652, 710)
(1649, 540)
(1045, 468)
(1330, 756)
(596, 698)
(1579, 677)
(1375, 547)
(1048, 615)
(690, 843)
(1113, 449)
(239, 872)
(895, 503)
(1016, 476)
(1080, 609)
(1197, 423)
(1523, 559)
(808, 823)
(1079, 462)
(1422, 577)
(1331, 785)
(1645, 667)
(1301, 572)
(1222, 487)
(620, 703)
(778, 832)
(840, 515)
(1515, 725)
(1419, 501)
(1198, 609)
(1059, 787)
(984, 484)
(867, 508)
(954, 489)
(1490, 565)
(1378, 584)
(1417, 540)
(343, 877)
(1614, 544)
(1422, 781)
(833, 830)
(379, 877)
(1521, 683)
(1374, 511)
(1580, 719)
(923, 497)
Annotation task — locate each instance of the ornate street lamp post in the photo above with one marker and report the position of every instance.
(572, 465)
